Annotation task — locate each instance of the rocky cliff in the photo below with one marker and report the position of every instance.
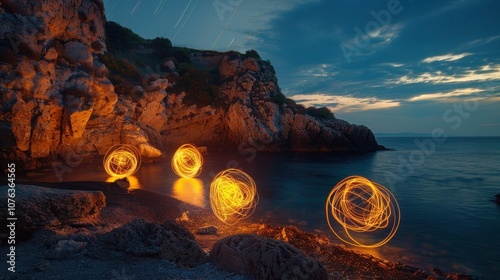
(57, 100)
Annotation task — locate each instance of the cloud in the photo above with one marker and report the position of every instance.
(446, 57)
(484, 73)
(442, 95)
(321, 70)
(392, 64)
(482, 41)
(349, 103)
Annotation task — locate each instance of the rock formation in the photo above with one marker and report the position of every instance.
(57, 101)
(165, 241)
(55, 97)
(39, 207)
(264, 258)
(254, 114)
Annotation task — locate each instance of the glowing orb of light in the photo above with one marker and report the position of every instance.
(187, 161)
(360, 206)
(122, 161)
(233, 196)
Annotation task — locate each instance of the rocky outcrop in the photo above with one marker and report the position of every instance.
(166, 241)
(38, 207)
(255, 114)
(264, 258)
(56, 101)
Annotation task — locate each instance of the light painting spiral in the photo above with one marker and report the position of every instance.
(360, 208)
(122, 161)
(233, 196)
(187, 161)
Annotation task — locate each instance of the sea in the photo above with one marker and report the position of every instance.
(445, 189)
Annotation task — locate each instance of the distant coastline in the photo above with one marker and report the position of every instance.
(414, 134)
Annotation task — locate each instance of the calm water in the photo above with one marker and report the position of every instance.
(447, 218)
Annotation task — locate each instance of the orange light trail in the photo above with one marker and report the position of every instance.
(187, 161)
(233, 196)
(362, 206)
(122, 161)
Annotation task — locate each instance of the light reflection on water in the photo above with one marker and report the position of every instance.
(190, 190)
(447, 220)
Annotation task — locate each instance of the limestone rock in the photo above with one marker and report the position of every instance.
(37, 207)
(77, 52)
(164, 241)
(147, 150)
(51, 54)
(151, 109)
(264, 258)
(207, 230)
(46, 133)
(229, 67)
(21, 120)
(250, 64)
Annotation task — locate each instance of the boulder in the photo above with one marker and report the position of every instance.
(209, 230)
(264, 258)
(76, 52)
(51, 55)
(37, 207)
(165, 241)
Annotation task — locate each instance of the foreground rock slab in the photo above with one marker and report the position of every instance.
(165, 241)
(264, 258)
(38, 207)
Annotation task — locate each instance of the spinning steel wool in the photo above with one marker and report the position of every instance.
(187, 161)
(233, 196)
(122, 161)
(361, 206)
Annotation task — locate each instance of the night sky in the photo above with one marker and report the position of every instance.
(394, 66)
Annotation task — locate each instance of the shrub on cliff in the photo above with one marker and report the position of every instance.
(161, 47)
(121, 66)
(320, 113)
(124, 74)
(120, 38)
(201, 86)
(251, 53)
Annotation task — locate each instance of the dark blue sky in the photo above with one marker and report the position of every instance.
(395, 66)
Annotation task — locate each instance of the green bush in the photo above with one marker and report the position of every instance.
(122, 86)
(279, 98)
(201, 86)
(161, 47)
(251, 53)
(121, 66)
(320, 113)
(120, 38)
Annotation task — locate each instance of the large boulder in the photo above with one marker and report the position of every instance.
(165, 241)
(264, 258)
(37, 207)
(77, 52)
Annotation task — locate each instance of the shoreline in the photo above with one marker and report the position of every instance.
(124, 206)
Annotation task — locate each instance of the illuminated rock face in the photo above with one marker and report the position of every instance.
(56, 99)
(254, 118)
